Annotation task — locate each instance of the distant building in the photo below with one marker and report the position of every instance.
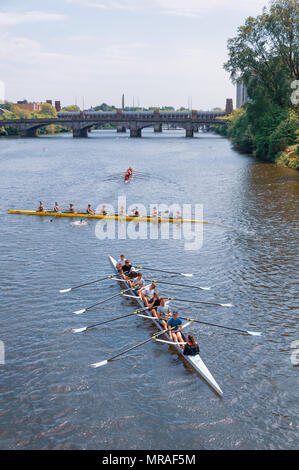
(58, 106)
(242, 96)
(229, 106)
(28, 106)
(49, 102)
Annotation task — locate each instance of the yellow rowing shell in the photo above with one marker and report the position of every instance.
(108, 217)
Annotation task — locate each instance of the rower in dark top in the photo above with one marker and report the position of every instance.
(126, 269)
(71, 209)
(136, 212)
(154, 304)
(56, 207)
(40, 207)
(89, 210)
(191, 347)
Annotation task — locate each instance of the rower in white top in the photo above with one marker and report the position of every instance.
(121, 261)
(147, 293)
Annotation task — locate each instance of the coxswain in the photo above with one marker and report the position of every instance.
(103, 211)
(147, 293)
(163, 311)
(71, 209)
(176, 324)
(191, 347)
(89, 210)
(56, 208)
(40, 207)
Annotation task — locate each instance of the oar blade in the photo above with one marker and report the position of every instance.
(254, 333)
(226, 305)
(78, 312)
(205, 288)
(62, 291)
(79, 330)
(98, 364)
(186, 275)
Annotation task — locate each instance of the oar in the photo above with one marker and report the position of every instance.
(78, 312)
(85, 328)
(164, 282)
(103, 363)
(199, 302)
(162, 271)
(179, 285)
(252, 333)
(62, 291)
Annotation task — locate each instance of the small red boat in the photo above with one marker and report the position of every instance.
(128, 174)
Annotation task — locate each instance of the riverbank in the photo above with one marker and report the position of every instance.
(274, 139)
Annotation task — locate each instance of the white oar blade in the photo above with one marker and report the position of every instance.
(78, 312)
(226, 305)
(79, 330)
(205, 288)
(186, 275)
(98, 364)
(62, 291)
(254, 333)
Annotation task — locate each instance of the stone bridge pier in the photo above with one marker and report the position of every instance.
(121, 129)
(158, 128)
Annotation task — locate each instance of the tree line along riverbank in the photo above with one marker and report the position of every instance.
(264, 55)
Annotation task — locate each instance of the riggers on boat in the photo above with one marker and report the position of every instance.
(108, 217)
(195, 361)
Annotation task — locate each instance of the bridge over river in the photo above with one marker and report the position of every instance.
(82, 122)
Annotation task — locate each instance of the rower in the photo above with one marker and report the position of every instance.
(176, 324)
(71, 209)
(126, 268)
(136, 212)
(133, 273)
(155, 212)
(103, 211)
(40, 207)
(191, 347)
(147, 293)
(137, 283)
(154, 304)
(122, 211)
(121, 261)
(56, 208)
(89, 210)
(162, 312)
(129, 171)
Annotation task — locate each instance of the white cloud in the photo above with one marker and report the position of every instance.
(104, 73)
(183, 8)
(13, 18)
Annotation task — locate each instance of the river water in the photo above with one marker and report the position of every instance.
(149, 399)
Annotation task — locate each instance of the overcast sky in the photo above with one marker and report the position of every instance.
(160, 51)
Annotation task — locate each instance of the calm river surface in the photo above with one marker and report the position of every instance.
(50, 398)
